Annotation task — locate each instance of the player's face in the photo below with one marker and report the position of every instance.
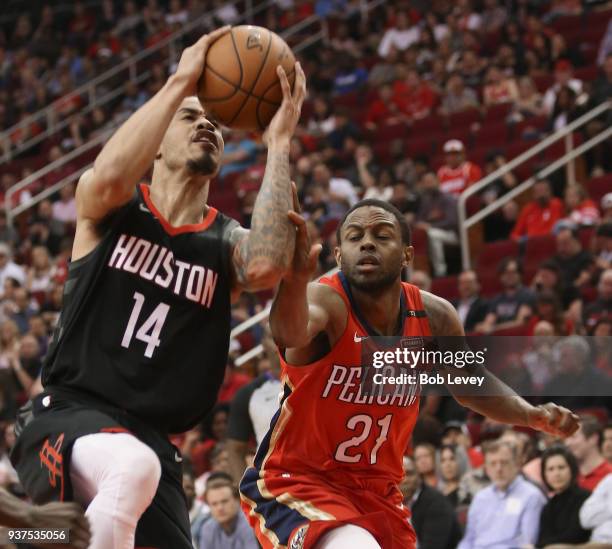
(192, 140)
(372, 254)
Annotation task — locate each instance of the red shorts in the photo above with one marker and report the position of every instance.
(294, 511)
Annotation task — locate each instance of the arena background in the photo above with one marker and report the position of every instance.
(403, 98)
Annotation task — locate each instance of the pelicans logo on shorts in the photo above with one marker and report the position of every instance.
(298, 539)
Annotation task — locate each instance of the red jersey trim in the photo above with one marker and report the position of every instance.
(173, 231)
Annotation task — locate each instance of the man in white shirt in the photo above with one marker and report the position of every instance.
(64, 209)
(401, 36)
(341, 192)
(9, 269)
(596, 513)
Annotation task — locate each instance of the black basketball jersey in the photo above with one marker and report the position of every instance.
(145, 321)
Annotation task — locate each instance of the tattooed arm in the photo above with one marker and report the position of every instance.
(494, 399)
(261, 256)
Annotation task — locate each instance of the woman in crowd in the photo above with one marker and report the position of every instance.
(581, 210)
(559, 522)
(454, 463)
(548, 307)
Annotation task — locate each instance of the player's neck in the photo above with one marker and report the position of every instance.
(380, 309)
(181, 202)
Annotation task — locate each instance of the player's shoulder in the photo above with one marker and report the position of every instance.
(327, 296)
(441, 315)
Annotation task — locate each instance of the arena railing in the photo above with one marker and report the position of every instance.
(99, 140)
(47, 117)
(566, 160)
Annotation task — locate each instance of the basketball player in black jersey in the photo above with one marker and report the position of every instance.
(141, 344)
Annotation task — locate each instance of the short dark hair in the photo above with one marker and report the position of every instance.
(503, 264)
(590, 425)
(559, 450)
(404, 227)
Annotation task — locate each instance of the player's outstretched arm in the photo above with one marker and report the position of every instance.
(129, 153)
(262, 255)
(19, 514)
(505, 406)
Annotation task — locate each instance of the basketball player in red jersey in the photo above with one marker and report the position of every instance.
(326, 474)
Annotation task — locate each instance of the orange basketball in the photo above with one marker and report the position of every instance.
(239, 85)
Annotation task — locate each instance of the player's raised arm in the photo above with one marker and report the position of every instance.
(495, 399)
(262, 255)
(130, 152)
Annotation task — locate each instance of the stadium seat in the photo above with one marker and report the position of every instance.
(599, 186)
(538, 248)
(463, 119)
(491, 254)
(446, 287)
(489, 283)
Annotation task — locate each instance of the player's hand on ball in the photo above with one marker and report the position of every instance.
(193, 58)
(63, 515)
(306, 254)
(284, 122)
(554, 420)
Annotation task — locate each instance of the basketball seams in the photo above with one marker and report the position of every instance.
(237, 86)
(238, 89)
(261, 98)
(259, 71)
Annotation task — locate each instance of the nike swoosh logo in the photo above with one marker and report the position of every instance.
(358, 339)
(177, 458)
(143, 208)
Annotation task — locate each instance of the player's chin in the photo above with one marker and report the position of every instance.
(206, 164)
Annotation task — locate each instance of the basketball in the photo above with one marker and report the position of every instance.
(239, 85)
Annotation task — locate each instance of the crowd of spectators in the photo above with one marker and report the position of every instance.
(406, 66)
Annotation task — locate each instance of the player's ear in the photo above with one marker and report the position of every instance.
(338, 256)
(408, 255)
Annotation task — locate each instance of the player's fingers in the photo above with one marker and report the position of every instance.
(554, 417)
(209, 38)
(313, 256)
(299, 87)
(296, 200)
(284, 82)
(569, 422)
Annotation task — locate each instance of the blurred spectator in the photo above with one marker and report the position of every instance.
(342, 194)
(514, 305)
(472, 308)
(239, 153)
(454, 463)
(585, 444)
(559, 522)
(433, 517)
(603, 246)
(606, 208)
(233, 381)
(364, 171)
(458, 97)
(9, 342)
(456, 432)
(601, 89)
(23, 310)
(64, 209)
(506, 514)
(548, 308)
(401, 36)
(437, 215)
(575, 264)
(384, 70)
(563, 77)
(253, 407)
(8, 234)
(350, 76)
(565, 109)
(227, 528)
(414, 96)
(40, 273)
(421, 280)
(596, 514)
(493, 16)
(538, 217)
(384, 110)
(44, 230)
(538, 358)
(528, 103)
(606, 444)
(499, 88)
(321, 121)
(8, 268)
(425, 462)
(198, 511)
(457, 173)
(581, 210)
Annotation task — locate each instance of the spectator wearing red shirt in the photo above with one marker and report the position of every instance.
(581, 210)
(232, 382)
(457, 174)
(414, 96)
(384, 110)
(585, 444)
(538, 217)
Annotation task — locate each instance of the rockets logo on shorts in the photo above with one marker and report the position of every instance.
(51, 458)
(298, 539)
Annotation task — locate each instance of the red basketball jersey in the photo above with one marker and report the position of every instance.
(327, 425)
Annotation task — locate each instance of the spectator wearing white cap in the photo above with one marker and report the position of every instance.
(457, 174)
(9, 269)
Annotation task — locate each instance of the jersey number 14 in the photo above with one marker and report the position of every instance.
(150, 329)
